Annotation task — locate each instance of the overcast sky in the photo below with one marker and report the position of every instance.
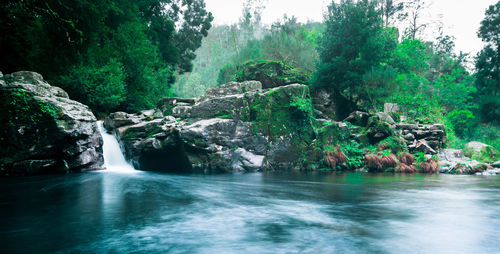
(461, 18)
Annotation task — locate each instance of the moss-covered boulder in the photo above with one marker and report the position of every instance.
(235, 127)
(42, 130)
(271, 73)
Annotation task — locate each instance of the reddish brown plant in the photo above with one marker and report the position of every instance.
(429, 166)
(373, 162)
(388, 161)
(407, 159)
(403, 168)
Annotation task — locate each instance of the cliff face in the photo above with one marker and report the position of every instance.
(42, 130)
(234, 127)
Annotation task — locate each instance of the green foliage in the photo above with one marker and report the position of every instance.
(128, 51)
(393, 144)
(227, 47)
(488, 66)
(354, 50)
(354, 154)
(270, 73)
(463, 122)
(279, 113)
(101, 88)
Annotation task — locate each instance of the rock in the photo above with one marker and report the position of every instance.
(385, 117)
(422, 146)
(452, 161)
(481, 152)
(181, 111)
(434, 135)
(378, 129)
(224, 131)
(43, 131)
(1, 74)
(358, 118)
(332, 104)
(475, 146)
(391, 108)
(496, 164)
(119, 119)
(165, 105)
(271, 73)
(219, 107)
(232, 88)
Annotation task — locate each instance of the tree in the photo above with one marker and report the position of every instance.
(391, 11)
(354, 49)
(148, 41)
(488, 66)
(416, 25)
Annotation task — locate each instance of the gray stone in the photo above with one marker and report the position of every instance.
(181, 111)
(496, 164)
(232, 88)
(56, 135)
(391, 108)
(358, 118)
(476, 146)
(385, 117)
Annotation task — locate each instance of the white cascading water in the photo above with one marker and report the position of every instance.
(113, 156)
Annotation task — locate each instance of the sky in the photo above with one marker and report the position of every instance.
(460, 18)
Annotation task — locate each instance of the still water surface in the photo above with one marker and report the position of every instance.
(144, 212)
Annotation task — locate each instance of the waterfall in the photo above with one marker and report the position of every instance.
(113, 156)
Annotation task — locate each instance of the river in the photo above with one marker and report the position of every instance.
(128, 211)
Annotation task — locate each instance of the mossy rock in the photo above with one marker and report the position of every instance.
(271, 73)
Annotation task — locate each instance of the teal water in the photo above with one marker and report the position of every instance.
(145, 212)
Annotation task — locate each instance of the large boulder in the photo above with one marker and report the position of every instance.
(433, 135)
(332, 104)
(481, 152)
(236, 127)
(43, 131)
(271, 73)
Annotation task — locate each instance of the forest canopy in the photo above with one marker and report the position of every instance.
(110, 55)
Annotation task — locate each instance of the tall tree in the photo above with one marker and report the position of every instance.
(392, 11)
(488, 66)
(416, 10)
(354, 50)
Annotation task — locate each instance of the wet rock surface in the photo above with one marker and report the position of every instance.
(43, 131)
(237, 127)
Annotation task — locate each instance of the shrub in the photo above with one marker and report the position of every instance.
(393, 143)
(429, 166)
(372, 162)
(403, 168)
(463, 122)
(102, 88)
(333, 157)
(378, 163)
(407, 159)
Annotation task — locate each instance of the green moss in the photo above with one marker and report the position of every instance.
(142, 132)
(281, 112)
(224, 114)
(394, 144)
(277, 70)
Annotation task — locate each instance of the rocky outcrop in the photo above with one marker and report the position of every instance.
(421, 137)
(42, 130)
(271, 73)
(373, 128)
(234, 127)
(329, 103)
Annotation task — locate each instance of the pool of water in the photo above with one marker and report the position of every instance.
(145, 212)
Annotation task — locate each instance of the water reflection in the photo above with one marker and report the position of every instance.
(142, 212)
